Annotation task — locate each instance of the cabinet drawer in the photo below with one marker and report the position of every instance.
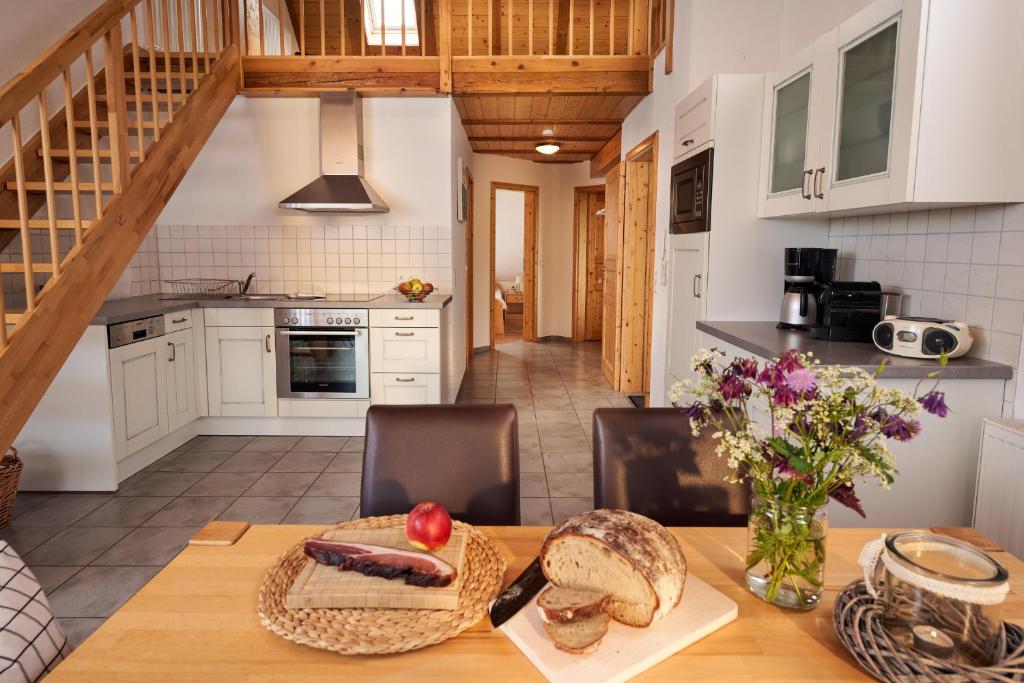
(404, 317)
(397, 388)
(179, 320)
(405, 349)
(239, 317)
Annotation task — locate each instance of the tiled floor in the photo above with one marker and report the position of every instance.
(92, 552)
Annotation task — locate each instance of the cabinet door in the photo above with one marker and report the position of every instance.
(874, 63)
(181, 379)
(405, 388)
(138, 386)
(240, 371)
(687, 288)
(405, 349)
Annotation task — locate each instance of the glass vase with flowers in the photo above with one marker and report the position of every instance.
(802, 433)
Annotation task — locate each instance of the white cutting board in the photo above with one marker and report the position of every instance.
(625, 651)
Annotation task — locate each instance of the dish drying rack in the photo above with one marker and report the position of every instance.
(200, 285)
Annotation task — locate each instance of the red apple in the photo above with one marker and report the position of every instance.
(428, 526)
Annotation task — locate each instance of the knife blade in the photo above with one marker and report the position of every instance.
(518, 594)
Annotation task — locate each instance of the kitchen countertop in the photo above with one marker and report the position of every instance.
(764, 339)
(120, 310)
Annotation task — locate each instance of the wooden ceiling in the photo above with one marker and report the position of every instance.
(511, 124)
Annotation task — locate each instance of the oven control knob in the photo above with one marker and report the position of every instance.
(285, 320)
(330, 321)
(355, 320)
(295, 321)
(348, 321)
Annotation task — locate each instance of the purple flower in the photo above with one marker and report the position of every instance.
(745, 368)
(801, 380)
(895, 427)
(695, 411)
(733, 387)
(771, 376)
(784, 396)
(790, 361)
(935, 403)
(844, 495)
(860, 429)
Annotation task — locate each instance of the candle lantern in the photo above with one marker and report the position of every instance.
(934, 589)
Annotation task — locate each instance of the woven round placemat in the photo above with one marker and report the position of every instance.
(858, 622)
(372, 631)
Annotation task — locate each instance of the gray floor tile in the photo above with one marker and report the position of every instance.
(570, 485)
(146, 546)
(192, 443)
(302, 461)
(251, 461)
(25, 538)
(163, 484)
(222, 443)
(529, 441)
(354, 445)
(321, 444)
(257, 510)
(50, 577)
(99, 591)
(569, 462)
(322, 510)
(198, 461)
(531, 462)
(133, 480)
(535, 511)
(125, 511)
(77, 545)
(223, 484)
(77, 629)
(190, 511)
(61, 510)
(541, 404)
(564, 443)
(281, 484)
(564, 508)
(533, 485)
(546, 415)
(346, 462)
(336, 484)
(271, 443)
(23, 502)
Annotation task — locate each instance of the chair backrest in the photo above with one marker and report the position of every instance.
(648, 461)
(465, 457)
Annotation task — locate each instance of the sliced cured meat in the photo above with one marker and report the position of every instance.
(418, 569)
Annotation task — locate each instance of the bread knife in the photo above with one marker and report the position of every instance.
(518, 594)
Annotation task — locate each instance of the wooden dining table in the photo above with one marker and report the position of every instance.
(196, 621)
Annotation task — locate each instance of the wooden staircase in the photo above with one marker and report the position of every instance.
(122, 105)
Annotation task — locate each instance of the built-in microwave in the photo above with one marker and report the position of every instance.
(691, 193)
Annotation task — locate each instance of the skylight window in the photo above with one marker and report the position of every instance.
(390, 27)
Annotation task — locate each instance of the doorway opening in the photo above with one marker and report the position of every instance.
(513, 263)
(588, 264)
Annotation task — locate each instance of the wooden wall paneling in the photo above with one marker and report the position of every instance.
(611, 337)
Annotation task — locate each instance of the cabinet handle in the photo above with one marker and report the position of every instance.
(405, 379)
(687, 143)
(819, 173)
(405, 334)
(267, 342)
(405, 317)
(174, 353)
(803, 184)
(696, 285)
(178, 321)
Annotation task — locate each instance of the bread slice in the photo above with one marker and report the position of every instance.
(579, 637)
(566, 605)
(635, 559)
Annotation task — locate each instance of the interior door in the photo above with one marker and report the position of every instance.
(594, 316)
(612, 278)
(687, 287)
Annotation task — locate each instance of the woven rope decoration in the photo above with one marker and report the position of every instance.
(361, 631)
(858, 622)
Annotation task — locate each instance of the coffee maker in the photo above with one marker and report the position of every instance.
(807, 270)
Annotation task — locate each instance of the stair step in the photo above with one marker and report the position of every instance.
(106, 124)
(147, 99)
(13, 318)
(20, 267)
(85, 155)
(147, 76)
(38, 224)
(39, 186)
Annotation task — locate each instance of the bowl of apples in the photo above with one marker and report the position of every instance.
(415, 290)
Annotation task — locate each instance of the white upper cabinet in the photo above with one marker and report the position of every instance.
(908, 102)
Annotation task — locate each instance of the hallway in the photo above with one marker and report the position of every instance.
(555, 387)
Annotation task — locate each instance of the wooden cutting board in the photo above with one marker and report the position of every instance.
(318, 585)
(625, 651)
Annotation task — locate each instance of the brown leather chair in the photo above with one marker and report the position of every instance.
(465, 457)
(648, 461)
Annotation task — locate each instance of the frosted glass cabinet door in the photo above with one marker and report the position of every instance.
(789, 147)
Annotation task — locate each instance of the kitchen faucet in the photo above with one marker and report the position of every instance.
(243, 288)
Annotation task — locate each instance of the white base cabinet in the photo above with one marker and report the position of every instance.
(240, 371)
(405, 388)
(180, 384)
(405, 356)
(138, 381)
(687, 280)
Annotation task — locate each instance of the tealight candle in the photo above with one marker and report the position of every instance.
(932, 641)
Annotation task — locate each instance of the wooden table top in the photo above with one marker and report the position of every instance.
(196, 621)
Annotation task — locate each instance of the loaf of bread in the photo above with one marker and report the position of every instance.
(632, 558)
(581, 636)
(565, 605)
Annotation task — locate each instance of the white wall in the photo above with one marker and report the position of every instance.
(554, 238)
(509, 214)
(461, 152)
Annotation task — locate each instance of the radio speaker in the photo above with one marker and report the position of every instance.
(883, 335)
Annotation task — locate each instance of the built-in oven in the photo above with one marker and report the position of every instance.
(691, 193)
(322, 353)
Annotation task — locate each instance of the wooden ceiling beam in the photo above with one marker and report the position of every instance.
(495, 36)
(545, 75)
(584, 153)
(535, 138)
(308, 75)
(562, 27)
(542, 122)
(607, 157)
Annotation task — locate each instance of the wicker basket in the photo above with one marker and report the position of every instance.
(10, 472)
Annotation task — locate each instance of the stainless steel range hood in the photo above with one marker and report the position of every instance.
(341, 187)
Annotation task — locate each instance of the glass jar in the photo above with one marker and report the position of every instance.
(786, 552)
(933, 581)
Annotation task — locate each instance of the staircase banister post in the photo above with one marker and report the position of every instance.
(113, 70)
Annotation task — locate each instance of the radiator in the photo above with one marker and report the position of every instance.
(999, 497)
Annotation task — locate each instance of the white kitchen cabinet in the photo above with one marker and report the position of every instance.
(906, 103)
(407, 361)
(138, 379)
(405, 388)
(180, 371)
(405, 349)
(694, 120)
(688, 287)
(240, 371)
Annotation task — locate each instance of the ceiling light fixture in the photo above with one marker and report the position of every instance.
(548, 147)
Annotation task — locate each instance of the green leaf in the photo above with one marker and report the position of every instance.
(783, 447)
(799, 463)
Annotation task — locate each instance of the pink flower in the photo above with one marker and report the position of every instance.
(790, 361)
(801, 380)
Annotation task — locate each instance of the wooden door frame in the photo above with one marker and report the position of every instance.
(579, 277)
(645, 151)
(469, 267)
(531, 195)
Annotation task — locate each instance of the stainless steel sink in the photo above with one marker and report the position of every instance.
(257, 297)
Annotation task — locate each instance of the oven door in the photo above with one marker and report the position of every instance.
(322, 363)
(691, 194)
